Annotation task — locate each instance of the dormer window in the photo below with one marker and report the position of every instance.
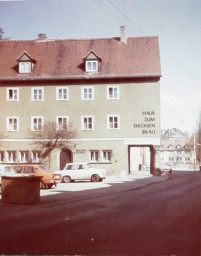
(91, 66)
(26, 63)
(25, 67)
(92, 62)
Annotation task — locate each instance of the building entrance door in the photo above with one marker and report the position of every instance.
(66, 157)
(140, 159)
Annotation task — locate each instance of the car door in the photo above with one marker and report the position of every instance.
(82, 172)
(70, 171)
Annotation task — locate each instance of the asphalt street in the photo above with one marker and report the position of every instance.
(117, 217)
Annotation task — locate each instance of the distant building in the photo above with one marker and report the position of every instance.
(176, 149)
(107, 89)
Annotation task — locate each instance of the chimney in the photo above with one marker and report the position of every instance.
(42, 37)
(122, 35)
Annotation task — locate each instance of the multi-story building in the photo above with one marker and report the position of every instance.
(107, 89)
(176, 148)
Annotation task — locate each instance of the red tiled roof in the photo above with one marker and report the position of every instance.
(63, 59)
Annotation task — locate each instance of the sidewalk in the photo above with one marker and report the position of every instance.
(70, 192)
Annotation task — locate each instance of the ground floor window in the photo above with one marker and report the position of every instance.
(1, 156)
(24, 156)
(106, 155)
(36, 155)
(11, 156)
(94, 156)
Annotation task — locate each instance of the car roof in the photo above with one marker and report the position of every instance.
(77, 163)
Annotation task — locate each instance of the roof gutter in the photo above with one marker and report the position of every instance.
(87, 77)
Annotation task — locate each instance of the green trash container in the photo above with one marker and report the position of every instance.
(20, 189)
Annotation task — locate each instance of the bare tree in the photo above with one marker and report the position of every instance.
(2, 35)
(53, 137)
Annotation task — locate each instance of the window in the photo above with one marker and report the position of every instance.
(29, 169)
(62, 122)
(112, 92)
(25, 67)
(37, 94)
(36, 155)
(87, 122)
(62, 93)
(88, 93)
(12, 124)
(11, 156)
(70, 167)
(24, 155)
(107, 155)
(1, 156)
(12, 94)
(113, 122)
(37, 123)
(94, 156)
(91, 65)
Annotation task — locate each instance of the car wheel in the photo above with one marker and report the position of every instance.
(42, 185)
(95, 178)
(66, 179)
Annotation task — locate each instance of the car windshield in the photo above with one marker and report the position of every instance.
(41, 168)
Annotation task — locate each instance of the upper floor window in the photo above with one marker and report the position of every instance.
(113, 122)
(112, 92)
(12, 124)
(87, 122)
(62, 93)
(62, 122)
(37, 94)
(88, 93)
(12, 94)
(37, 123)
(25, 67)
(91, 66)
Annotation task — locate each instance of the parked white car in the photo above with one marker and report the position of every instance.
(6, 170)
(80, 171)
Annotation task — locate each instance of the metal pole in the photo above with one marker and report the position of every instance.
(194, 153)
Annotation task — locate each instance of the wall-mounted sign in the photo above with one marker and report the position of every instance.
(148, 123)
(81, 151)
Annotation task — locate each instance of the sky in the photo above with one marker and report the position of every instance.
(177, 23)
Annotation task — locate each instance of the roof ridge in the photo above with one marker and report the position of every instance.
(73, 39)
